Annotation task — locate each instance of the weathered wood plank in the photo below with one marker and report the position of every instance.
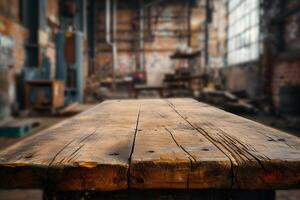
(89, 151)
(169, 153)
(165, 194)
(153, 144)
(261, 157)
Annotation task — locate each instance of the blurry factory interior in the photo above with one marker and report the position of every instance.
(59, 58)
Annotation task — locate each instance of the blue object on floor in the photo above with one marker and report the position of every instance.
(16, 128)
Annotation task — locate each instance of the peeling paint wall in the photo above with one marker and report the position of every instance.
(157, 65)
(18, 34)
(218, 34)
(283, 41)
(166, 29)
(292, 26)
(11, 11)
(286, 71)
(12, 48)
(47, 37)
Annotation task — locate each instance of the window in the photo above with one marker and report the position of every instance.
(243, 31)
(292, 26)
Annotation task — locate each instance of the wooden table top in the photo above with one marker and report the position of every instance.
(171, 143)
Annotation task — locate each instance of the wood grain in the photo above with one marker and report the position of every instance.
(169, 153)
(261, 157)
(89, 151)
(153, 144)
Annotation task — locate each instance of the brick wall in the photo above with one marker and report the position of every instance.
(10, 9)
(19, 35)
(47, 45)
(218, 35)
(168, 24)
(242, 78)
(286, 73)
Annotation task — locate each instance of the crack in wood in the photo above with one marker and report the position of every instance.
(74, 153)
(78, 149)
(47, 185)
(71, 157)
(212, 140)
(88, 136)
(233, 162)
(237, 152)
(180, 146)
(265, 131)
(237, 146)
(61, 150)
(132, 147)
(189, 156)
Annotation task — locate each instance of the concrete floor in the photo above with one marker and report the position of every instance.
(45, 122)
(50, 121)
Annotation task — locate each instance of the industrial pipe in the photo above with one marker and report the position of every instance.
(113, 43)
(142, 43)
(115, 34)
(108, 20)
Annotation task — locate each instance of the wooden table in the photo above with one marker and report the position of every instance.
(139, 88)
(177, 148)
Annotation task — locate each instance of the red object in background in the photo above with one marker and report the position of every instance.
(139, 77)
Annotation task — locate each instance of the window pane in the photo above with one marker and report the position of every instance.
(243, 31)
